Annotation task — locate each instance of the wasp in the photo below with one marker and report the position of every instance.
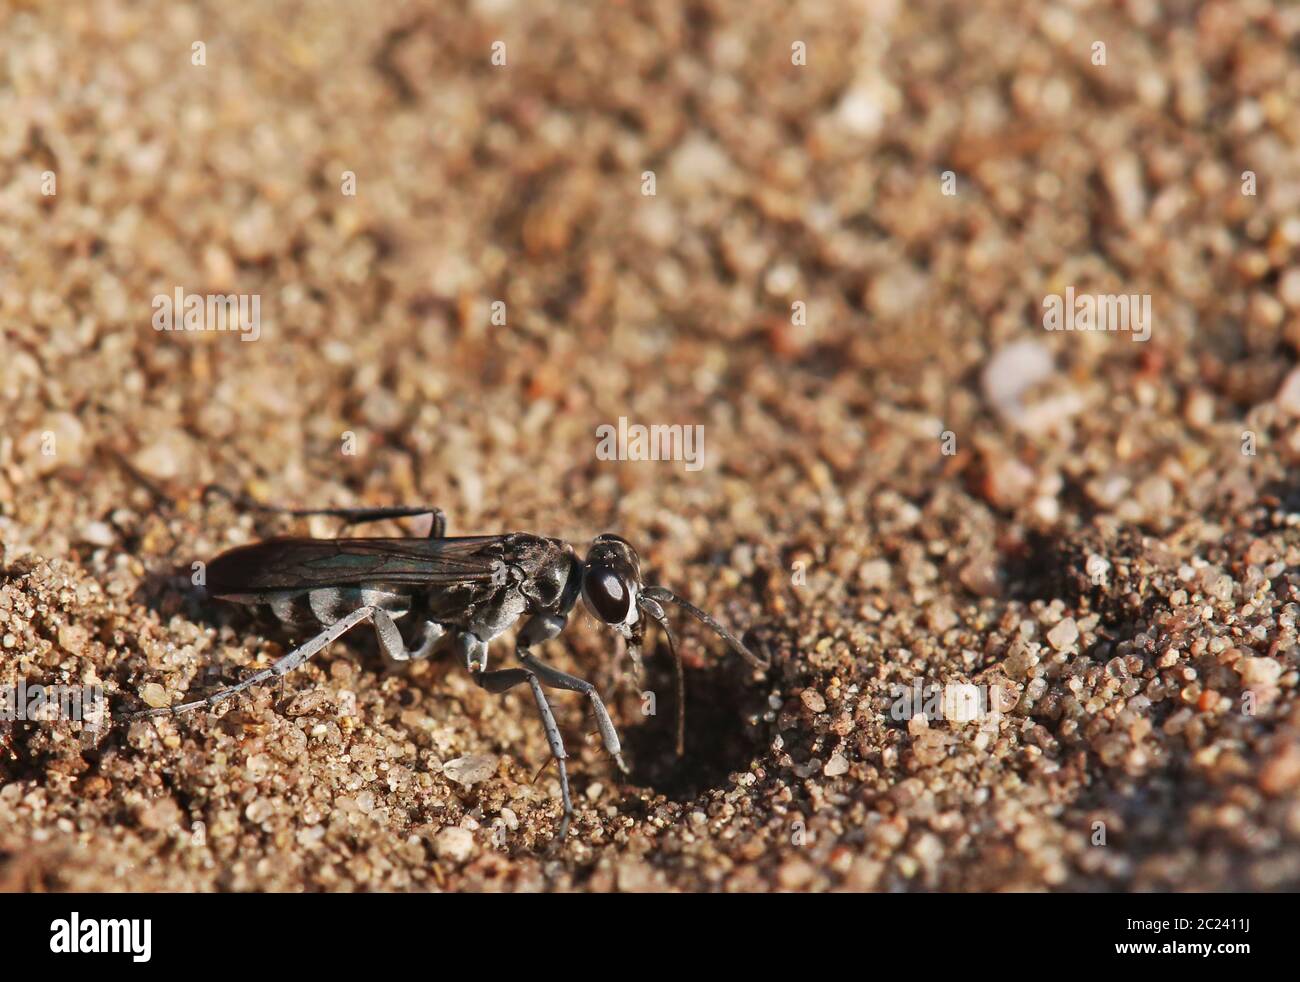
(420, 595)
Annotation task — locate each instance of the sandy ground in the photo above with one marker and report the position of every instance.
(906, 476)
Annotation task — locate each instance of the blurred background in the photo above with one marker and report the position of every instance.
(857, 211)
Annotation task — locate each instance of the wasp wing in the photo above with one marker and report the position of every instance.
(303, 564)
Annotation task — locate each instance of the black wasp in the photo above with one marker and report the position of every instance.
(466, 589)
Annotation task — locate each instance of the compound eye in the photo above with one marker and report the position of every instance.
(607, 594)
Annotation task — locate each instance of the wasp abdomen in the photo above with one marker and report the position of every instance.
(322, 606)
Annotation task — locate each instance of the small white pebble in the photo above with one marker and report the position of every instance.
(259, 810)
(97, 534)
(1288, 287)
(837, 765)
(152, 695)
(257, 767)
(1064, 635)
(454, 844)
(1288, 396)
(1259, 671)
(471, 769)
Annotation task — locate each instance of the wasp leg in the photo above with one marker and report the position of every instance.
(543, 627)
(507, 678)
(395, 647)
(555, 679)
(281, 667)
(357, 516)
(475, 651)
(350, 516)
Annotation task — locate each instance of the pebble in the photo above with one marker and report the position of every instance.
(73, 638)
(697, 162)
(154, 695)
(980, 577)
(795, 874)
(1155, 495)
(453, 844)
(161, 815)
(258, 766)
(1009, 481)
(1122, 175)
(864, 106)
(813, 700)
(1288, 288)
(471, 769)
(1259, 671)
(1199, 409)
(98, 534)
(168, 456)
(1288, 396)
(259, 810)
(874, 574)
(1064, 635)
(1016, 370)
(837, 765)
(1013, 370)
(1281, 773)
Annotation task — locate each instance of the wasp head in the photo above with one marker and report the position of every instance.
(611, 581)
(613, 591)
